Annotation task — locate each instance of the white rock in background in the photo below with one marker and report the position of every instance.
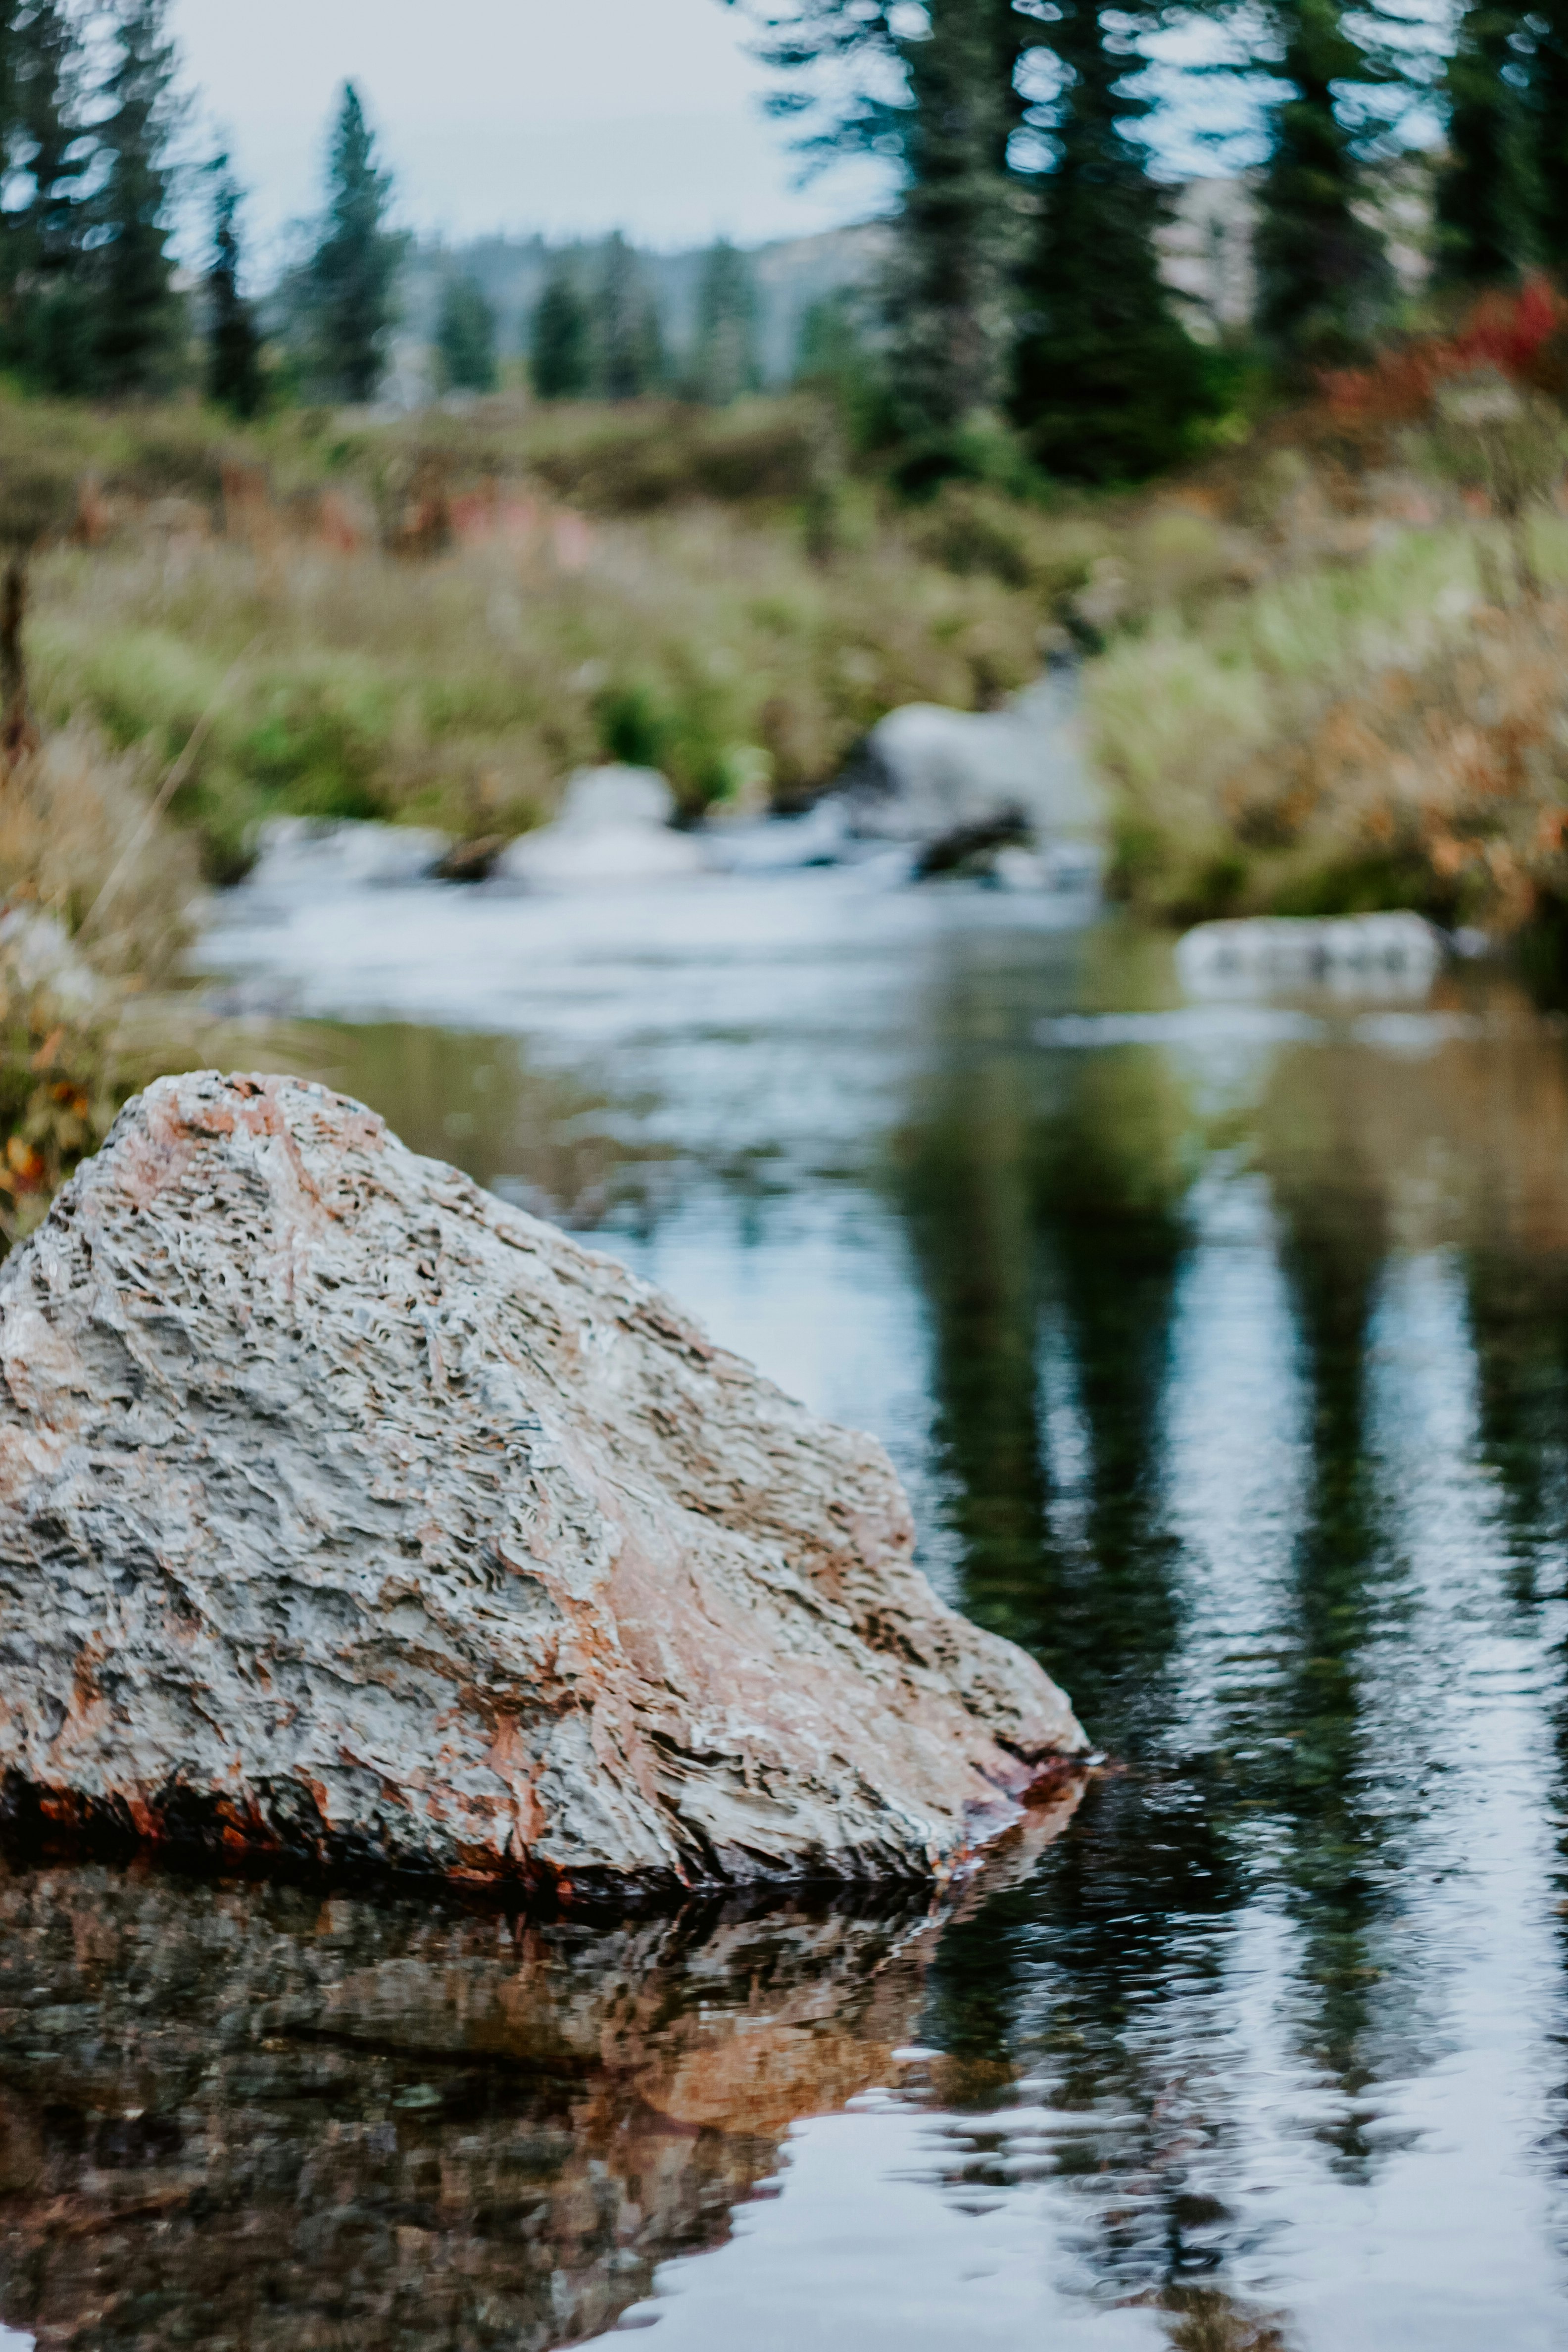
(778, 844)
(613, 826)
(1065, 866)
(307, 853)
(37, 950)
(931, 772)
(1266, 949)
(348, 1514)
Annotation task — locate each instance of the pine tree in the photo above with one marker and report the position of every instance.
(628, 344)
(466, 337)
(841, 56)
(835, 357)
(946, 297)
(139, 316)
(943, 102)
(351, 276)
(46, 307)
(560, 352)
(1548, 116)
(1107, 383)
(1483, 195)
(234, 372)
(724, 362)
(1323, 273)
(829, 345)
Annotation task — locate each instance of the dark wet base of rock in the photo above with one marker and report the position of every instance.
(190, 1832)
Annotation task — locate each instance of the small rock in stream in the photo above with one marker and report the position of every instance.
(351, 1516)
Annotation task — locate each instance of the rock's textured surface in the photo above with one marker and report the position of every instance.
(345, 1509)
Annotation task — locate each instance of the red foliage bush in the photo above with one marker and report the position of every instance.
(1515, 334)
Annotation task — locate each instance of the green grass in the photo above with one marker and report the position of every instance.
(1195, 718)
(462, 690)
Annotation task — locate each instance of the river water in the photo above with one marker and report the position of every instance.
(1224, 1347)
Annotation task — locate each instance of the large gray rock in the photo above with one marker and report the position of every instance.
(346, 1510)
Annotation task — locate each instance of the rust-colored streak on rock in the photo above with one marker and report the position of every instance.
(345, 1511)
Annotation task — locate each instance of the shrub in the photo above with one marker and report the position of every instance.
(74, 824)
(1341, 745)
(98, 891)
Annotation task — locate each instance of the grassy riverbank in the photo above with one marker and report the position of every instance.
(1383, 735)
(1304, 683)
(436, 622)
(460, 690)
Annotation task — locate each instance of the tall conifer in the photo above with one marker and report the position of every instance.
(139, 316)
(351, 276)
(948, 314)
(466, 337)
(629, 350)
(724, 362)
(560, 353)
(1323, 273)
(1483, 195)
(1107, 381)
(49, 318)
(940, 99)
(1548, 101)
(233, 373)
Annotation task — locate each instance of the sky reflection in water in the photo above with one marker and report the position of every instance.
(1227, 1359)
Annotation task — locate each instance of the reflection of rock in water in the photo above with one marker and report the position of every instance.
(245, 2115)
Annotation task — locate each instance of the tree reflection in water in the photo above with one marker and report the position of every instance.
(1053, 1226)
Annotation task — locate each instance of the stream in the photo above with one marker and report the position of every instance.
(1223, 1345)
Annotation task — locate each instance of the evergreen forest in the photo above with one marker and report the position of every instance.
(1032, 143)
(1024, 322)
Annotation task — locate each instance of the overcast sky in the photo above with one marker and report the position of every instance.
(560, 115)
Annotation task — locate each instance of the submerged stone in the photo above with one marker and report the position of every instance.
(348, 1513)
(1249, 950)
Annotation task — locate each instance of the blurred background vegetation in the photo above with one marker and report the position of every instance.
(1278, 454)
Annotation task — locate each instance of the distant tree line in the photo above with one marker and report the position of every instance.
(597, 332)
(1025, 307)
(1027, 281)
(92, 129)
(91, 303)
